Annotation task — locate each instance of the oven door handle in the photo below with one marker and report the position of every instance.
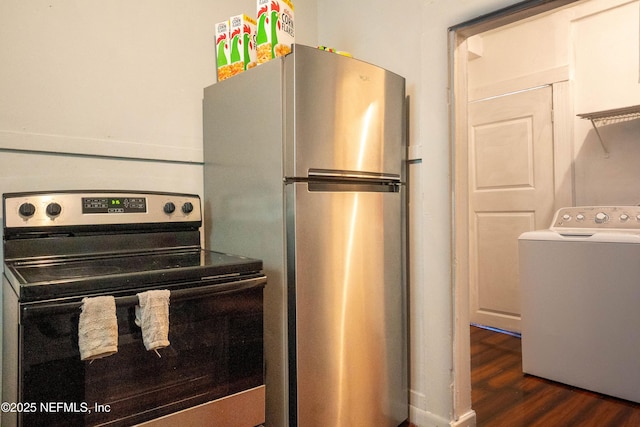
(178, 294)
(218, 288)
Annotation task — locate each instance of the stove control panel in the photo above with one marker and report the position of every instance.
(597, 217)
(114, 205)
(98, 208)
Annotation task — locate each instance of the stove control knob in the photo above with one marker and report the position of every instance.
(27, 209)
(54, 209)
(187, 208)
(169, 208)
(601, 217)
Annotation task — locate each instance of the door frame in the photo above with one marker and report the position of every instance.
(458, 123)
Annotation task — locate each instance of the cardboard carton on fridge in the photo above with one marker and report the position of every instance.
(222, 50)
(275, 29)
(242, 51)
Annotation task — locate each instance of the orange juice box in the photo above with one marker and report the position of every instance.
(275, 32)
(222, 50)
(242, 37)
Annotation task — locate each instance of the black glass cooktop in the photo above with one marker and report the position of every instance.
(50, 278)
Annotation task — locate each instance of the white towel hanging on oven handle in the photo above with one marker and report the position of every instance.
(152, 316)
(97, 328)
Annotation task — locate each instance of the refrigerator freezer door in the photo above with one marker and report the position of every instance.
(346, 294)
(349, 115)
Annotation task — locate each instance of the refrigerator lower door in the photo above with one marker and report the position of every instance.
(346, 292)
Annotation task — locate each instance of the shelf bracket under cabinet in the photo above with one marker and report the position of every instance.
(617, 115)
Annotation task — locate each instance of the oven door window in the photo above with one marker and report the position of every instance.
(216, 350)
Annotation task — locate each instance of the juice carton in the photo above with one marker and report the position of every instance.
(275, 32)
(222, 50)
(242, 36)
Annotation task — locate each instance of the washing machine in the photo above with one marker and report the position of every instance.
(580, 287)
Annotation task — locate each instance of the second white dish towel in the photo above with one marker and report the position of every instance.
(152, 315)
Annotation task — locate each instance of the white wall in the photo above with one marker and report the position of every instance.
(607, 76)
(125, 79)
(595, 45)
(114, 78)
(111, 78)
(506, 58)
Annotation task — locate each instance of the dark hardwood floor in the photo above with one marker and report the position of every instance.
(503, 396)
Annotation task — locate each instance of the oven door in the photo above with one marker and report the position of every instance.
(216, 335)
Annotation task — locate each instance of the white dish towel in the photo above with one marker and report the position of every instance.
(98, 328)
(152, 315)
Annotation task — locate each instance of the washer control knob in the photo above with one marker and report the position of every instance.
(566, 217)
(601, 217)
(624, 217)
(54, 209)
(27, 209)
(169, 208)
(187, 208)
(580, 217)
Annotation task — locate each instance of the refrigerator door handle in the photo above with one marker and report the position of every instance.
(340, 175)
(324, 180)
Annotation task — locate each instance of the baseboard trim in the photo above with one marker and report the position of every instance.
(422, 418)
(466, 420)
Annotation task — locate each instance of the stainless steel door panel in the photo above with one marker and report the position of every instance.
(349, 115)
(350, 335)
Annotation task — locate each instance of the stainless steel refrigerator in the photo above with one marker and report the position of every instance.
(304, 168)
